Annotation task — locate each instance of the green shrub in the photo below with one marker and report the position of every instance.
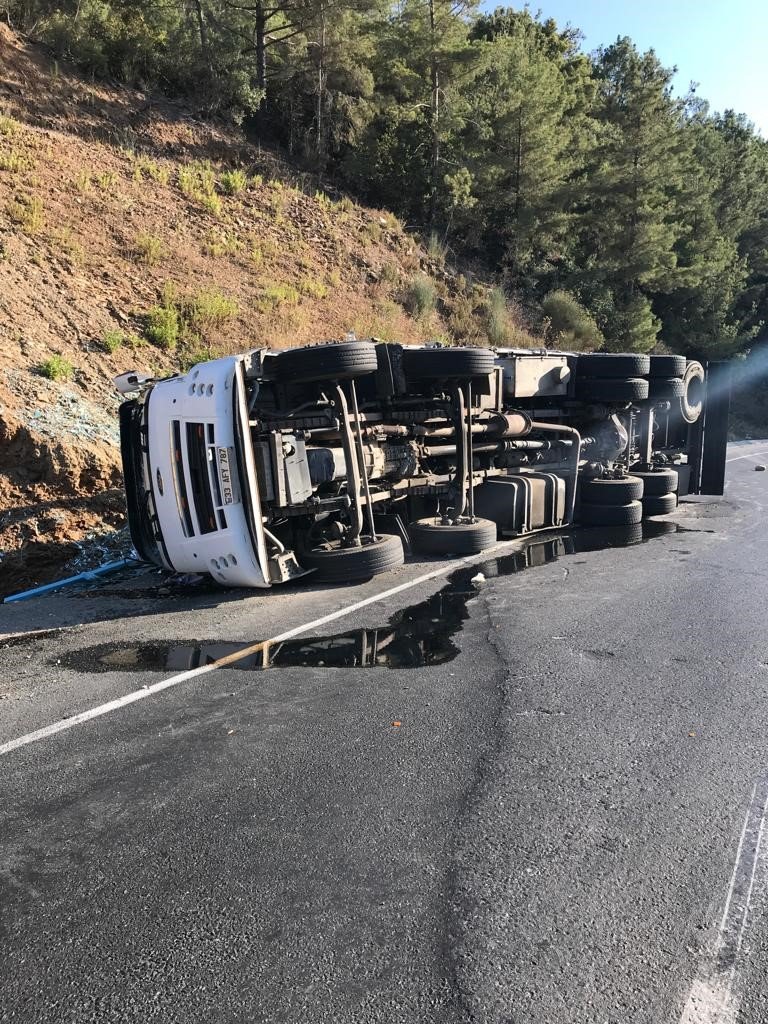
(373, 231)
(220, 243)
(233, 182)
(163, 326)
(496, 317)
(56, 368)
(82, 181)
(106, 181)
(208, 309)
(274, 295)
(464, 323)
(27, 213)
(13, 162)
(390, 274)
(169, 294)
(149, 168)
(313, 288)
(198, 181)
(187, 180)
(421, 296)
(569, 324)
(210, 202)
(437, 250)
(8, 127)
(148, 249)
(112, 340)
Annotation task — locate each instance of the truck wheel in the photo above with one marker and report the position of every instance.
(659, 504)
(335, 564)
(433, 538)
(611, 515)
(325, 362)
(657, 481)
(612, 390)
(693, 392)
(423, 363)
(613, 366)
(667, 366)
(666, 387)
(611, 492)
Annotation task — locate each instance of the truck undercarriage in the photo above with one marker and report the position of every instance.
(331, 458)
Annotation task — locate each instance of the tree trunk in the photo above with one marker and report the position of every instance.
(320, 146)
(260, 32)
(205, 48)
(435, 117)
(202, 29)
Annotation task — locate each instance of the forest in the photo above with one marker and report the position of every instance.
(621, 215)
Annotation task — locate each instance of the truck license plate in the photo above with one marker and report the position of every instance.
(228, 484)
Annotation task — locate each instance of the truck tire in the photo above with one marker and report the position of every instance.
(423, 363)
(692, 401)
(657, 481)
(612, 390)
(325, 362)
(335, 564)
(659, 504)
(611, 515)
(667, 366)
(611, 492)
(661, 388)
(431, 538)
(612, 366)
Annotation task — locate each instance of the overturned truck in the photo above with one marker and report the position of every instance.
(333, 459)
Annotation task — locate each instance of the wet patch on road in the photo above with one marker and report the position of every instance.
(414, 637)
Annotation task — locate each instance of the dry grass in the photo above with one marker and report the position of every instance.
(27, 213)
(148, 249)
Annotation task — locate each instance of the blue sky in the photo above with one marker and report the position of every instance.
(721, 45)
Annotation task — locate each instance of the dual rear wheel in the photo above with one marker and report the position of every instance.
(625, 501)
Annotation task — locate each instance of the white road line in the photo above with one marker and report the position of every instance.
(711, 1000)
(729, 897)
(755, 860)
(183, 677)
(32, 634)
(751, 455)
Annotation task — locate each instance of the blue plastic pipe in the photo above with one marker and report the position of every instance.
(91, 574)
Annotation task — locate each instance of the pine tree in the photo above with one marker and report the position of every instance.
(425, 63)
(524, 136)
(632, 221)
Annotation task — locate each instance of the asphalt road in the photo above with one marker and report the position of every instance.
(538, 798)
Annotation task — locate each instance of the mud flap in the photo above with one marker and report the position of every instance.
(708, 437)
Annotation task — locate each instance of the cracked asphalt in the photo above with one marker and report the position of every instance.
(537, 826)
